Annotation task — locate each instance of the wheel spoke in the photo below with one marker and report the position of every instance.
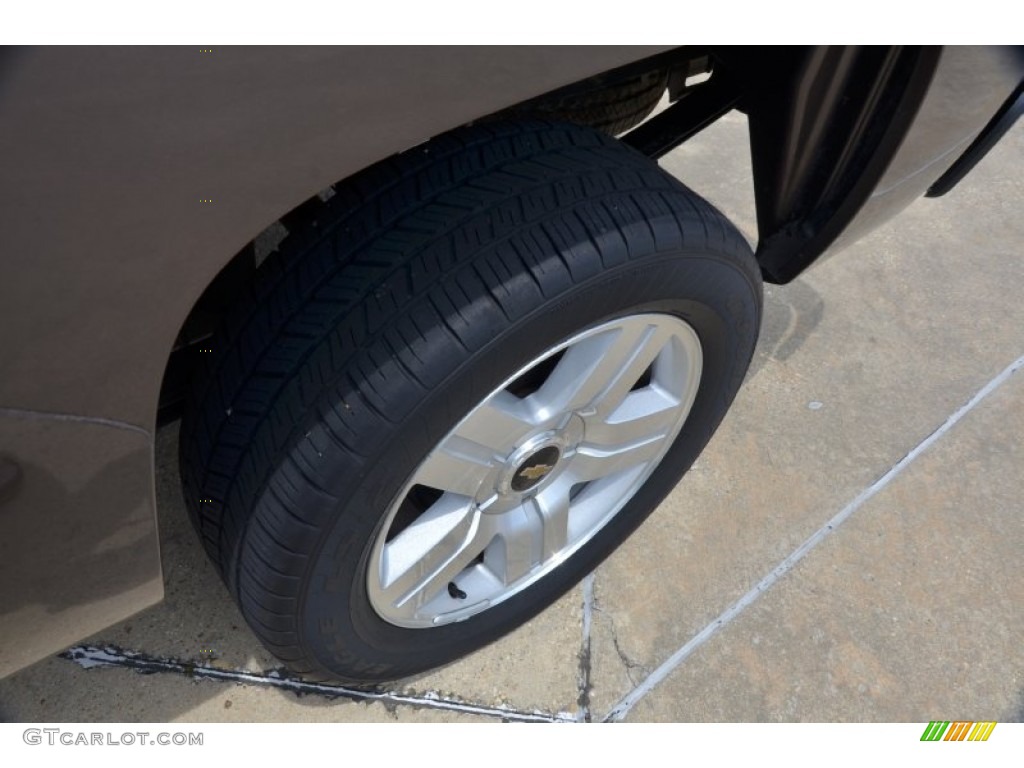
(497, 424)
(532, 533)
(458, 466)
(468, 457)
(593, 462)
(648, 347)
(553, 508)
(519, 551)
(421, 561)
(644, 414)
(519, 559)
(600, 370)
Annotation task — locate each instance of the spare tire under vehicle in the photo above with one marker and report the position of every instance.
(457, 387)
(612, 104)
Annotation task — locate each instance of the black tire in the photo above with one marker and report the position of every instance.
(392, 309)
(609, 105)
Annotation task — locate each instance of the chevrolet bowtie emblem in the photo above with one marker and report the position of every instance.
(537, 471)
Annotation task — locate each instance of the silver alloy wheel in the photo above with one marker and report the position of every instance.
(533, 472)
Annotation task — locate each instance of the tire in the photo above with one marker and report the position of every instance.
(424, 327)
(612, 106)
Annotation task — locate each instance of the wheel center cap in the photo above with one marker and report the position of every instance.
(535, 468)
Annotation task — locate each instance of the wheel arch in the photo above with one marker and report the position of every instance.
(529, 79)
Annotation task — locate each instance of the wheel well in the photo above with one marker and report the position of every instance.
(672, 73)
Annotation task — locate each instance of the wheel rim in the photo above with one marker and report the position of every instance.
(534, 471)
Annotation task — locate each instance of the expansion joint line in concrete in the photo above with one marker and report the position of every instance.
(109, 656)
(630, 700)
